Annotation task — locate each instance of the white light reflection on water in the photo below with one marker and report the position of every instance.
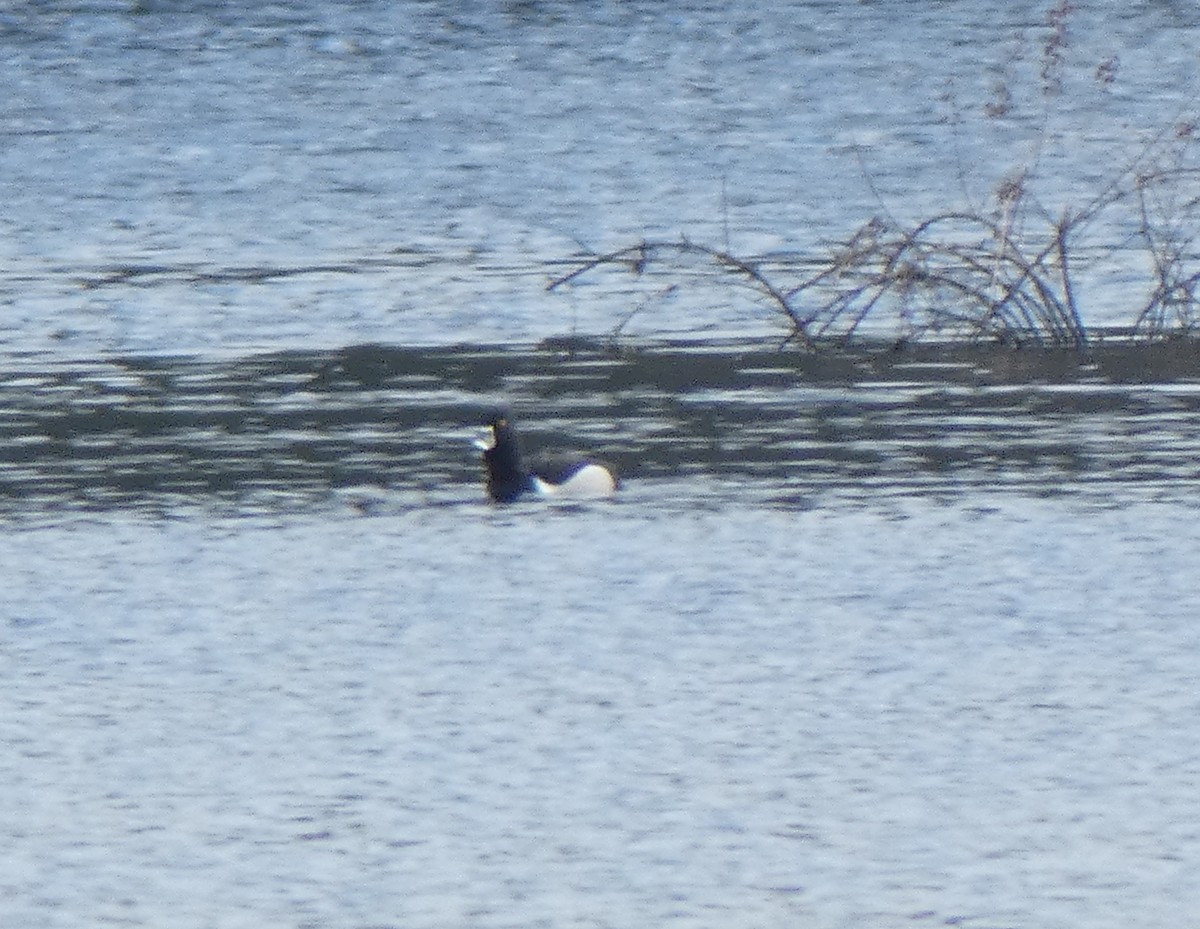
(628, 715)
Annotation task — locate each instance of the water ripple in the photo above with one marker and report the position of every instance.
(302, 428)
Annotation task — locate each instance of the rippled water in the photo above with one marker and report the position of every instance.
(309, 175)
(893, 636)
(379, 426)
(912, 714)
(886, 638)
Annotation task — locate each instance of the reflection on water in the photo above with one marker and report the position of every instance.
(294, 429)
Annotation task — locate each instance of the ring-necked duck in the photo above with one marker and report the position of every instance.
(509, 476)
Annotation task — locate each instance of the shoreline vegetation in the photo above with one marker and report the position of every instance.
(1006, 268)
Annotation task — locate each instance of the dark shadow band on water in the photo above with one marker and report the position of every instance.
(299, 430)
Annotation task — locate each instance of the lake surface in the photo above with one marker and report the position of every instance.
(900, 635)
(303, 175)
(919, 715)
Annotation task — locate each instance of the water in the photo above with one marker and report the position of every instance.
(865, 640)
(301, 175)
(614, 717)
(897, 636)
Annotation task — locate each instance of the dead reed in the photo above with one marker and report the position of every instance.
(1003, 267)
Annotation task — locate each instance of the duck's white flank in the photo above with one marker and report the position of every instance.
(589, 482)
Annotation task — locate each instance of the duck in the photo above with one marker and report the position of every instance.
(510, 477)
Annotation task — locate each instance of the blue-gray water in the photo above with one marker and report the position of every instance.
(197, 176)
(898, 637)
(645, 714)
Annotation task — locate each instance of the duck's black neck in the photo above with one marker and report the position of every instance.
(507, 477)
